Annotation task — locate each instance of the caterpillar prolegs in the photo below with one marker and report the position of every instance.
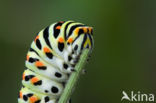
(51, 59)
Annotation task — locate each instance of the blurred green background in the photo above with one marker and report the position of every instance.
(125, 44)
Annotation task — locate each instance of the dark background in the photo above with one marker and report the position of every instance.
(125, 44)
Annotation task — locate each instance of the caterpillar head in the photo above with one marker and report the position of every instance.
(81, 39)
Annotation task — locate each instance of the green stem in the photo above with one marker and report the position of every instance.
(73, 78)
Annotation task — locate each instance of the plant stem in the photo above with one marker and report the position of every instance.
(73, 78)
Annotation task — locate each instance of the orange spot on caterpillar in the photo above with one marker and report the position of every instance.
(76, 31)
(58, 27)
(33, 99)
(85, 30)
(90, 30)
(23, 77)
(20, 94)
(46, 50)
(37, 37)
(27, 57)
(39, 63)
(34, 80)
(61, 40)
(70, 40)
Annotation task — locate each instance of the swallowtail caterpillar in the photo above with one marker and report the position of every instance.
(51, 59)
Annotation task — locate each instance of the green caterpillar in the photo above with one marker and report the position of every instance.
(51, 59)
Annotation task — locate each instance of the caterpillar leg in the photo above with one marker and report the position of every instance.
(84, 71)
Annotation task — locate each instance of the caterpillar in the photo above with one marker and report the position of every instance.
(51, 59)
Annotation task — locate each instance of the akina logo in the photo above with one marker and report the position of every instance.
(138, 96)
